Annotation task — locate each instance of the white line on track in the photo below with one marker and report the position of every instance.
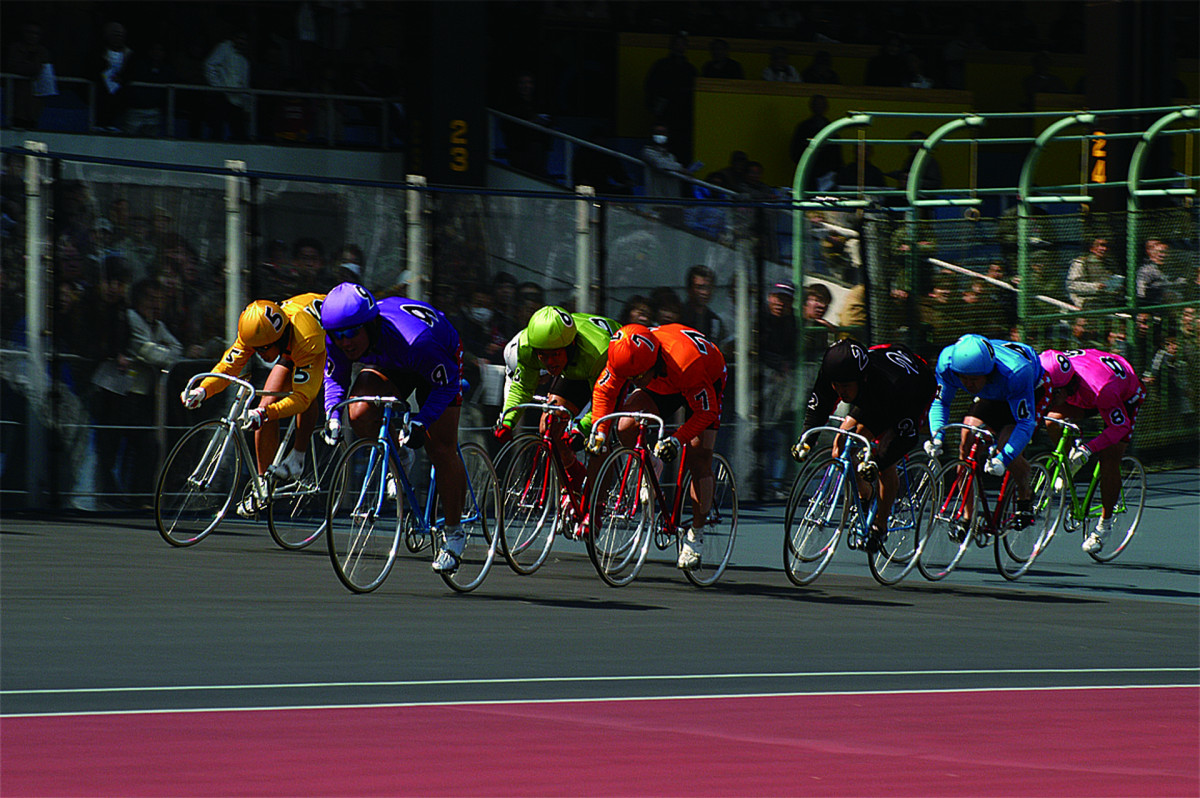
(607, 699)
(584, 680)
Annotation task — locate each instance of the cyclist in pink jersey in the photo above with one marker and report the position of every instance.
(1088, 382)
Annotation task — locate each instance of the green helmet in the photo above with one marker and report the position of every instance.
(550, 327)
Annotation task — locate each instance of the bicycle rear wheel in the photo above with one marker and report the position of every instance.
(197, 484)
(481, 521)
(1127, 515)
(1016, 547)
(720, 528)
(622, 518)
(296, 509)
(363, 522)
(816, 513)
(954, 507)
(530, 506)
(897, 553)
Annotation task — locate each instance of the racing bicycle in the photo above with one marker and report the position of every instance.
(629, 508)
(202, 478)
(372, 503)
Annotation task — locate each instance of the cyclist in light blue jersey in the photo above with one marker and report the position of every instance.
(1006, 379)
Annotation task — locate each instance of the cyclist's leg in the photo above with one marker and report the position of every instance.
(1110, 475)
(699, 463)
(306, 422)
(364, 417)
(556, 424)
(640, 401)
(266, 437)
(1019, 467)
(442, 446)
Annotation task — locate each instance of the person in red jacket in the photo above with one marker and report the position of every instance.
(669, 367)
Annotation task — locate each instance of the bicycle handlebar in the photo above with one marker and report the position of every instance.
(981, 431)
(860, 439)
(1062, 422)
(546, 407)
(379, 400)
(651, 417)
(238, 381)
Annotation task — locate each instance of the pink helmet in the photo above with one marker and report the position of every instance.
(1058, 367)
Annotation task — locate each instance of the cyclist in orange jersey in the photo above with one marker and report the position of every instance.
(669, 367)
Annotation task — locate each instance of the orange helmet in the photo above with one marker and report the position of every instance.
(261, 324)
(632, 351)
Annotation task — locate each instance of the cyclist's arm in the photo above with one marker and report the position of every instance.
(337, 377)
(232, 362)
(604, 396)
(1024, 409)
(521, 390)
(821, 402)
(1117, 421)
(939, 411)
(705, 406)
(306, 384)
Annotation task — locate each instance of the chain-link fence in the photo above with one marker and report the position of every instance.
(132, 273)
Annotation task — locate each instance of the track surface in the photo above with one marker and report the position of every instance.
(133, 668)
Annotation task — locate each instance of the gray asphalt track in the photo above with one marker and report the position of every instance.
(102, 615)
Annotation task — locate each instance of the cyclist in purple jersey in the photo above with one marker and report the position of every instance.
(403, 345)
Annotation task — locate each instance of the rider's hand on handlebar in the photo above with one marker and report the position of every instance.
(575, 438)
(597, 443)
(417, 435)
(254, 419)
(333, 431)
(193, 398)
(933, 446)
(667, 449)
(1078, 456)
(995, 466)
(800, 451)
(503, 432)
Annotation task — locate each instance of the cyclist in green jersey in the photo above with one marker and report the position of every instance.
(573, 349)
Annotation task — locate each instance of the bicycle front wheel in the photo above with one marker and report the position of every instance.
(897, 553)
(481, 521)
(363, 521)
(1127, 515)
(622, 518)
(816, 513)
(720, 527)
(954, 507)
(530, 506)
(197, 484)
(1019, 543)
(296, 509)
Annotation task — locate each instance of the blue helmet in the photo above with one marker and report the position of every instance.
(972, 355)
(348, 305)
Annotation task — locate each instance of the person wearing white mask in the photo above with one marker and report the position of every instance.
(664, 170)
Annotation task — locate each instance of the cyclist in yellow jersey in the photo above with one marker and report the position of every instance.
(290, 334)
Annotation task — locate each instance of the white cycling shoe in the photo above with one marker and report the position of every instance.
(691, 551)
(450, 556)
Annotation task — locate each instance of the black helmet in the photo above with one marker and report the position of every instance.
(845, 361)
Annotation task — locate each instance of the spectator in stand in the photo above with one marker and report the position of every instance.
(349, 266)
(931, 177)
(275, 278)
(228, 66)
(111, 96)
(777, 356)
(820, 70)
(667, 307)
(600, 170)
(735, 171)
(504, 296)
(917, 79)
(848, 177)
(108, 346)
(818, 330)
(30, 59)
(822, 175)
(1168, 379)
(664, 173)
(778, 69)
(954, 55)
(530, 297)
(308, 262)
(701, 283)
(1154, 287)
(637, 310)
(721, 66)
(889, 67)
(152, 349)
(1041, 81)
(527, 147)
(668, 88)
(1091, 280)
(147, 106)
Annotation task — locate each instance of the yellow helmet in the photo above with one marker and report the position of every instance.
(261, 324)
